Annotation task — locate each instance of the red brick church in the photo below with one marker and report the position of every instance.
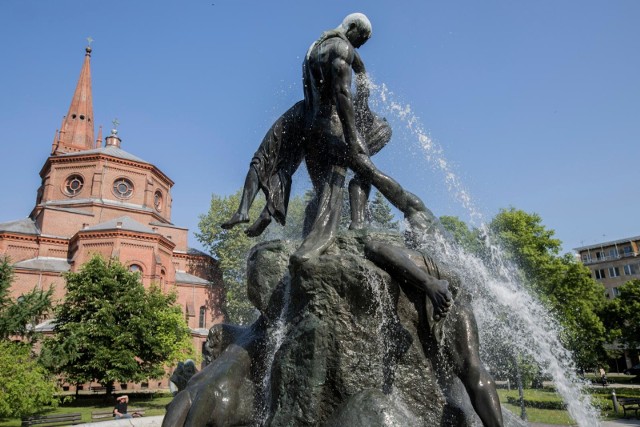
(98, 198)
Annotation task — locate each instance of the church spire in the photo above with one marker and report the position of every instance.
(77, 132)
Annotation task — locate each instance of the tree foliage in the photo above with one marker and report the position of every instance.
(231, 247)
(26, 387)
(623, 315)
(562, 283)
(469, 239)
(18, 317)
(110, 328)
(381, 214)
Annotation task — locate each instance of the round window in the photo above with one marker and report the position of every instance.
(135, 268)
(73, 185)
(157, 201)
(123, 188)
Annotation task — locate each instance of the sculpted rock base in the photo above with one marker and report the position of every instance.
(344, 337)
(338, 343)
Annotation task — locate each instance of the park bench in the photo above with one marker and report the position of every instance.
(52, 420)
(629, 404)
(97, 388)
(96, 415)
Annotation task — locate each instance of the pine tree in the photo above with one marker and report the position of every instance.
(381, 214)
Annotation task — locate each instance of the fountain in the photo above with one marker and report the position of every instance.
(498, 294)
(362, 327)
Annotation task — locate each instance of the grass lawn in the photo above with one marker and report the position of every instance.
(601, 397)
(154, 404)
(535, 415)
(544, 416)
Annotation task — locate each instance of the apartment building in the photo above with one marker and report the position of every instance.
(612, 263)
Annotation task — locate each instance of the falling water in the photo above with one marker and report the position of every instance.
(498, 293)
(277, 334)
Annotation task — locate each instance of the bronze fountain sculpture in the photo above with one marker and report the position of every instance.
(372, 331)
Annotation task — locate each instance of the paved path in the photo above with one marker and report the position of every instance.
(614, 423)
(157, 422)
(137, 422)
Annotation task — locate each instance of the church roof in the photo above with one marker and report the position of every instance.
(23, 226)
(57, 265)
(68, 210)
(61, 203)
(46, 326)
(109, 150)
(183, 277)
(194, 251)
(121, 223)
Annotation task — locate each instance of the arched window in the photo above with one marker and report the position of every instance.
(135, 268)
(157, 201)
(202, 318)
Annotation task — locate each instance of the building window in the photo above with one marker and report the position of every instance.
(203, 317)
(599, 274)
(73, 185)
(614, 272)
(123, 188)
(615, 292)
(134, 268)
(586, 258)
(627, 250)
(157, 201)
(599, 255)
(613, 253)
(630, 269)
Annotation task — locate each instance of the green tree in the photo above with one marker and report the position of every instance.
(231, 247)
(468, 238)
(623, 315)
(26, 387)
(381, 214)
(17, 317)
(110, 328)
(561, 282)
(529, 244)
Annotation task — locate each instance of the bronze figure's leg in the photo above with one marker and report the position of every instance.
(359, 191)
(327, 217)
(249, 192)
(398, 263)
(462, 351)
(259, 224)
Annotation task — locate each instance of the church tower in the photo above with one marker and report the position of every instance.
(96, 197)
(77, 130)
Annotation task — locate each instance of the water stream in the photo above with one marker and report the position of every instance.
(278, 333)
(505, 310)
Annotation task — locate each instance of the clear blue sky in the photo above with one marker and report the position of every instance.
(533, 104)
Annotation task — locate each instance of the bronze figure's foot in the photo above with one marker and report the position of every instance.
(310, 249)
(356, 225)
(237, 218)
(259, 225)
